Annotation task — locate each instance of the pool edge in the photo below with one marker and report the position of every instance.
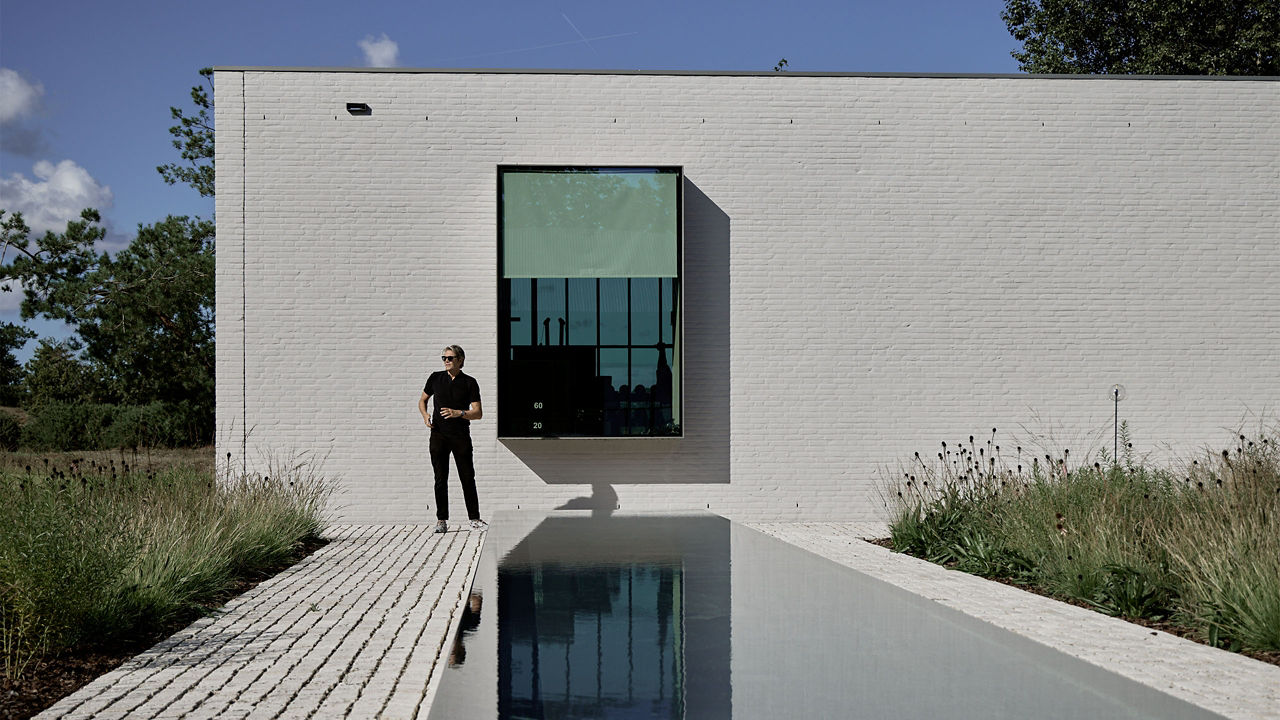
(1221, 682)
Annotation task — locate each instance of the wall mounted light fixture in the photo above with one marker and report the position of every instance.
(358, 108)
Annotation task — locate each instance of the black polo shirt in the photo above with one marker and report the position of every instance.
(453, 393)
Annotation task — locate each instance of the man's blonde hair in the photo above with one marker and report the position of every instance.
(462, 354)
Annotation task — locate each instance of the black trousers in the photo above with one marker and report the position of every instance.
(460, 446)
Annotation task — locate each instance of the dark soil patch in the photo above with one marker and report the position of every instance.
(1182, 631)
(57, 677)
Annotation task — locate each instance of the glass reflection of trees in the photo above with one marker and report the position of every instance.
(586, 198)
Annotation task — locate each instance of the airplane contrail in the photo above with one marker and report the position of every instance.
(542, 47)
(575, 29)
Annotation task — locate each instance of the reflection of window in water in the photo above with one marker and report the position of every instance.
(591, 642)
(589, 300)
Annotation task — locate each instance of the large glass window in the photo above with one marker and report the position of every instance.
(589, 301)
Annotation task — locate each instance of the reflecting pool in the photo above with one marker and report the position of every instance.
(578, 616)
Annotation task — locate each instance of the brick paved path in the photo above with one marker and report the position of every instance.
(357, 629)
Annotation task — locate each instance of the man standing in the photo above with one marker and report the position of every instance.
(457, 404)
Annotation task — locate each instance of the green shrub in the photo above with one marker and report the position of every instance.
(141, 426)
(10, 432)
(60, 426)
(68, 426)
(189, 424)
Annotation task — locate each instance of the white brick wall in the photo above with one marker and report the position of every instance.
(873, 264)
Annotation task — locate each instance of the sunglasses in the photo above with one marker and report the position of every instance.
(448, 358)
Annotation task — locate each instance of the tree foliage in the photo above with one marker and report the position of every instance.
(1146, 37)
(12, 337)
(193, 138)
(56, 374)
(145, 316)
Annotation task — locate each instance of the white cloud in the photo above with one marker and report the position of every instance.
(381, 51)
(17, 96)
(10, 299)
(57, 195)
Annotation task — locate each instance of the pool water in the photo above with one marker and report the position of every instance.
(577, 616)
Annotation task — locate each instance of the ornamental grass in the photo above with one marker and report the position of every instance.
(1196, 546)
(95, 552)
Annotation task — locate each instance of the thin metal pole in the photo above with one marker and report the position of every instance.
(1115, 452)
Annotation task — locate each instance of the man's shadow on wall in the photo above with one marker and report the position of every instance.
(702, 455)
(602, 502)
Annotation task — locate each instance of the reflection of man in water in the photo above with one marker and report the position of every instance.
(470, 621)
(457, 404)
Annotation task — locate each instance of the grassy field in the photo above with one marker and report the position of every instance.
(99, 547)
(1197, 546)
(198, 459)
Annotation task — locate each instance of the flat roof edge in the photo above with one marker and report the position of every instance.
(735, 73)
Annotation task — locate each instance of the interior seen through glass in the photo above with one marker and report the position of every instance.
(614, 333)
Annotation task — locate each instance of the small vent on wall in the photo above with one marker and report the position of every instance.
(359, 108)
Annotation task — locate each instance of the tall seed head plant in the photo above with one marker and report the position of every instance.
(1199, 546)
(94, 553)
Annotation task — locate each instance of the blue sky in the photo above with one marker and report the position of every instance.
(85, 86)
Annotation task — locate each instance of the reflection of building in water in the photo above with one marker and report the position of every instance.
(562, 629)
(615, 618)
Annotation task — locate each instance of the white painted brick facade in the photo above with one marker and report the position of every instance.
(873, 264)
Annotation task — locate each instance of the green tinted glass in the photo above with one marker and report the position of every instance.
(589, 224)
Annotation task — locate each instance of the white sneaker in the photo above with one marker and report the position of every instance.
(479, 525)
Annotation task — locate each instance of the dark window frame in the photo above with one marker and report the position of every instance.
(504, 312)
